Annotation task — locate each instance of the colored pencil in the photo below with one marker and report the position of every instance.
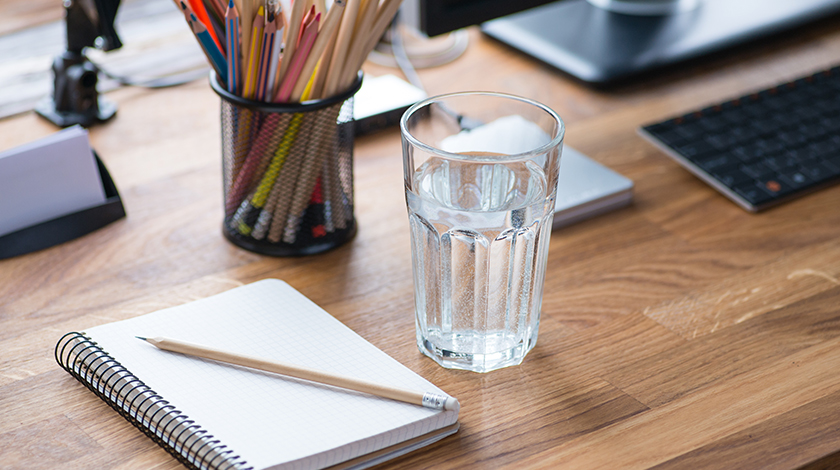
(325, 35)
(307, 40)
(249, 88)
(252, 207)
(342, 45)
(292, 34)
(266, 56)
(232, 41)
(201, 13)
(187, 10)
(217, 59)
(274, 66)
(247, 10)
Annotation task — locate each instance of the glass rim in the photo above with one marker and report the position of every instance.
(554, 142)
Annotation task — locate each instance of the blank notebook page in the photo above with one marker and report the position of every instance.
(265, 418)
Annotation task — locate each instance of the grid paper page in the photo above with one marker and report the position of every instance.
(265, 418)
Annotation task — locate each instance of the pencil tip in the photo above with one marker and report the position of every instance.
(142, 338)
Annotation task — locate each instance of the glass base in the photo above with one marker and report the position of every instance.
(473, 361)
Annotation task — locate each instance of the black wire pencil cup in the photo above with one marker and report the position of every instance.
(288, 172)
(287, 85)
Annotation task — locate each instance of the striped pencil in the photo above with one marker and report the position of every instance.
(274, 67)
(201, 13)
(187, 10)
(249, 88)
(266, 56)
(232, 39)
(217, 59)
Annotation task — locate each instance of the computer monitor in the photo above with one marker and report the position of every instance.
(605, 41)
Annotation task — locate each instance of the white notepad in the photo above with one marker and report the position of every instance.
(268, 420)
(48, 178)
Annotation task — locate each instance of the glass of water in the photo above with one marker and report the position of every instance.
(481, 173)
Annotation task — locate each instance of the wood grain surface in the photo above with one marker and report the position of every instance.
(680, 332)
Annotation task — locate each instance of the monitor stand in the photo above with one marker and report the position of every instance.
(601, 47)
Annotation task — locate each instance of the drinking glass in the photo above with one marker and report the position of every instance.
(481, 172)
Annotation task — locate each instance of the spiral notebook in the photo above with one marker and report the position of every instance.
(212, 415)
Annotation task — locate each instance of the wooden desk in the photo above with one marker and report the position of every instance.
(681, 332)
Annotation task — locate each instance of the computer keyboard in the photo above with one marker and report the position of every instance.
(763, 148)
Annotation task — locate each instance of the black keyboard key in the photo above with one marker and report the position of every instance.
(779, 163)
(748, 153)
(690, 131)
(696, 150)
(758, 170)
(792, 139)
(752, 193)
(713, 123)
(672, 138)
(795, 180)
(799, 154)
(832, 163)
(733, 177)
(775, 186)
(721, 141)
(806, 114)
(716, 163)
(772, 147)
(822, 149)
(819, 172)
(743, 134)
(763, 127)
(812, 131)
(735, 116)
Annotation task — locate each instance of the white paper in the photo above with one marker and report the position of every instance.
(48, 178)
(508, 135)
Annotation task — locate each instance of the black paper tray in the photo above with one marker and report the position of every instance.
(66, 227)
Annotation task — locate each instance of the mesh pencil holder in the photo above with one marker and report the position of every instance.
(288, 173)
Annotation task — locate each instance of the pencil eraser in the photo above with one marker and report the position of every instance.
(452, 404)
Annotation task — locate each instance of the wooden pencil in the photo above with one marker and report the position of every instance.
(266, 56)
(307, 177)
(365, 19)
(342, 45)
(247, 11)
(249, 88)
(291, 39)
(384, 16)
(287, 180)
(325, 34)
(201, 13)
(278, 53)
(322, 69)
(307, 40)
(217, 59)
(430, 400)
(232, 39)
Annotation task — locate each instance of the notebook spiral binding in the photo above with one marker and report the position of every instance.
(141, 406)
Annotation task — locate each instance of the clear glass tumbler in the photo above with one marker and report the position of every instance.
(481, 173)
